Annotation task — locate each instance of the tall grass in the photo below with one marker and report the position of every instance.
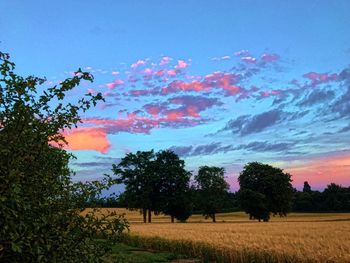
(297, 238)
(210, 253)
(277, 241)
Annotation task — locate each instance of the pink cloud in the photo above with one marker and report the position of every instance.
(138, 63)
(87, 139)
(171, 72)
(115, 83)
(148, 71)
(115, 72)
(320, 78)
(181, 64)
(164, 61)
(269, 57)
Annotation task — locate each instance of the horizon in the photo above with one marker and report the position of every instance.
(220, 84)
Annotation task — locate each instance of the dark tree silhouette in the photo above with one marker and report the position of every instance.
(307, 187)
(212, 190)
(272, 183)
(173, 182)
(136, 172)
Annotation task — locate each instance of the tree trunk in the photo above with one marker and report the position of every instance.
(149, 216)
(214, 219)
(172, 219)
(144, 213)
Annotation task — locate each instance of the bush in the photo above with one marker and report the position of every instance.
(40, 207)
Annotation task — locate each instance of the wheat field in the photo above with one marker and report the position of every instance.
(296, 238)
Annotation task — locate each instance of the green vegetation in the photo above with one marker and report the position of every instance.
(212, 190)
(155, 182)
(129, 254)
(265, 189)
(40, 205)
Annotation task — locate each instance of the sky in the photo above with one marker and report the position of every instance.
(221, 83)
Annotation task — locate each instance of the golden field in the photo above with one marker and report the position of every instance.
(234, 238)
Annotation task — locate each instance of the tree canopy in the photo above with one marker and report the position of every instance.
(40, 205)
(155, 182)
(212, 189)
(269, 186)
(173, 182)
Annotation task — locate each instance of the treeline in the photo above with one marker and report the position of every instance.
(334, 198)
(157, 182)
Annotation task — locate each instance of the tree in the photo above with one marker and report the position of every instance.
(272, 183)
(175, 196)
(212, 189)
(135, 171)
(255, 204)
(336, 198)
(307, 187)
(39, 205)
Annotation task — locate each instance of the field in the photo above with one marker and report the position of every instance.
(297, 238)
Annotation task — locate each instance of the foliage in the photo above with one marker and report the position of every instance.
(334, 198)
(40, 206)
(173, 182)
(212, 189)
(155, 182)
(254, 204)
(307, 187)
(135, 172)
(268, 185)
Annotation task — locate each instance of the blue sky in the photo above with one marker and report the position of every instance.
(221, 83)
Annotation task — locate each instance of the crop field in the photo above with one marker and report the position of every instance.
(234, 238)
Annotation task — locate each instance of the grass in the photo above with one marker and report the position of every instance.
(135, 217)
(301, 237)
(130, 254)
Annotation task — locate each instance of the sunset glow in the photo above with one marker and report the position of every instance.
(220, 83)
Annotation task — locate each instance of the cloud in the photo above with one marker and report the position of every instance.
(134, 123)
(206, 149)
(319, 78)
(267, 58)
(115, 83)
(259, 146)
(345, 129)
(165, 60)
(226, 82)
(237, 124)
(342, 105)
(101, 162)
(138, 63)
(249, 59)
(181, 150)
(261, 121)
(242, 52)
(189, 106)
(87, 139)
(221, 58)
(317, 96)
(181, 64)
(248, 124)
